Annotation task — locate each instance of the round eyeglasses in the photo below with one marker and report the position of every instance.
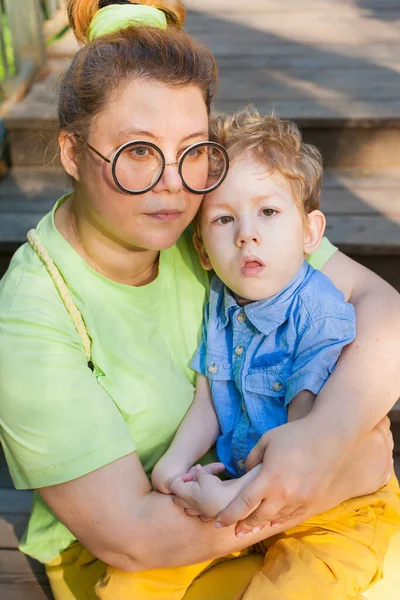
(138, 166)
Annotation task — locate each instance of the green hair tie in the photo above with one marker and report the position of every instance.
(120, 16)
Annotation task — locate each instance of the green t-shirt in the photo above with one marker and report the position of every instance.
(58, 419)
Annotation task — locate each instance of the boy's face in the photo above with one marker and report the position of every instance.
(252, 232)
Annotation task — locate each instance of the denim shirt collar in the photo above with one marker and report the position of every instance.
(267, 314)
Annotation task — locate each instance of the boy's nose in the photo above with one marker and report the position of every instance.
(246, 235)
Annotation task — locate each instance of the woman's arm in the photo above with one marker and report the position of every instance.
(366, 382)
(304, 458)
(114, 514)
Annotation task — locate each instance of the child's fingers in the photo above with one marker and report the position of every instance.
(192, 512)
(182, 503)
(214, 468)
(182, 489)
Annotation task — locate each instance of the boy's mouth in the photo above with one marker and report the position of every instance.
(251, 266)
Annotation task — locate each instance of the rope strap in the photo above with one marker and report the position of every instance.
(62, 289)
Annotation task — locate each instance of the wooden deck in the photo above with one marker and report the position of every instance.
(332, 65)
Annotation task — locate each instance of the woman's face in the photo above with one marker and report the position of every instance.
(171, 117)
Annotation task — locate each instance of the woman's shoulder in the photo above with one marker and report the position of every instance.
(25, 283)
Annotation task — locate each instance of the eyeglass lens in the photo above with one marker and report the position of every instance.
(139, 166)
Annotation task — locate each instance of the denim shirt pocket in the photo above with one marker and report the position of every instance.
(269, 382)
(218, 367)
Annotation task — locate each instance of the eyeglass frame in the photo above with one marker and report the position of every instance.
(118, 152)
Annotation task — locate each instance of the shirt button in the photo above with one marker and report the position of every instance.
(212, 369)
(241, 464)
(241, 317)
(239, 350)
(277, 387)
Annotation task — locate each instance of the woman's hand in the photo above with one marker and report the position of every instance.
(296, 469)
(300, 469)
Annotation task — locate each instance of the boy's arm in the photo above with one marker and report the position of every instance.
(301, 405)
(195, 436)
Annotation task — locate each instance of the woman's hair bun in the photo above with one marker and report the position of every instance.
(81, 13)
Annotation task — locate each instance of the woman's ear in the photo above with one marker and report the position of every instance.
(68, 154)
(199, 245)
(314, 230)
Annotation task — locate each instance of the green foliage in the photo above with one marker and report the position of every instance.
(9, 55)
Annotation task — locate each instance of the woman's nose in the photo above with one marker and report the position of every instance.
(170, 181)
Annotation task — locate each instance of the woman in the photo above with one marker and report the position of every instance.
(87, 421)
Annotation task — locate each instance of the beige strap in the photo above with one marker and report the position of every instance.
(62, 289)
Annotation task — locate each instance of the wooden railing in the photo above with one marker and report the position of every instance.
(51, 7)
(22, 39)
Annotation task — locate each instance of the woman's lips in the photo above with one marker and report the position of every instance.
(166, 215)
(252, 266)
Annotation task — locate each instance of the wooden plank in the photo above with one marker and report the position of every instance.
(326, 109)
(397, 465)
(33, 185)
(362, 208)
(12, 528)
(290, 60)
(365, 234)
(25, 591)
(14, 226)
(15, 502)
(358, 201)
(363, 178)
(316, 110)
(15, 566)
(395, 412)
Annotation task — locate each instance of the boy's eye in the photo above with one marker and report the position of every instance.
(223, 220)
(268, 212)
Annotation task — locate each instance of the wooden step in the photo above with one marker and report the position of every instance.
(340, 81)
(343, 141)
(362, 207)
(26, 194)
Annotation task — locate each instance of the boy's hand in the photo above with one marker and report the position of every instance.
(201, 493)
(202, 497)
(212, 468)
(165, 471)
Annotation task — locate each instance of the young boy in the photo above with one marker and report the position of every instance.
(274, 326)
(273, 331)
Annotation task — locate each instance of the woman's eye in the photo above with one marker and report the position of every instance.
(268, 212)
(223, 220)
(195, 153)
(140, 152)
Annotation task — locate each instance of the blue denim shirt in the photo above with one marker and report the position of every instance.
(258, 357)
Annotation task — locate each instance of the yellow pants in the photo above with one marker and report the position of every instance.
(334, 556)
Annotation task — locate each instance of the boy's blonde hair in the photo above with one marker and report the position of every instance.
(277, 144)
